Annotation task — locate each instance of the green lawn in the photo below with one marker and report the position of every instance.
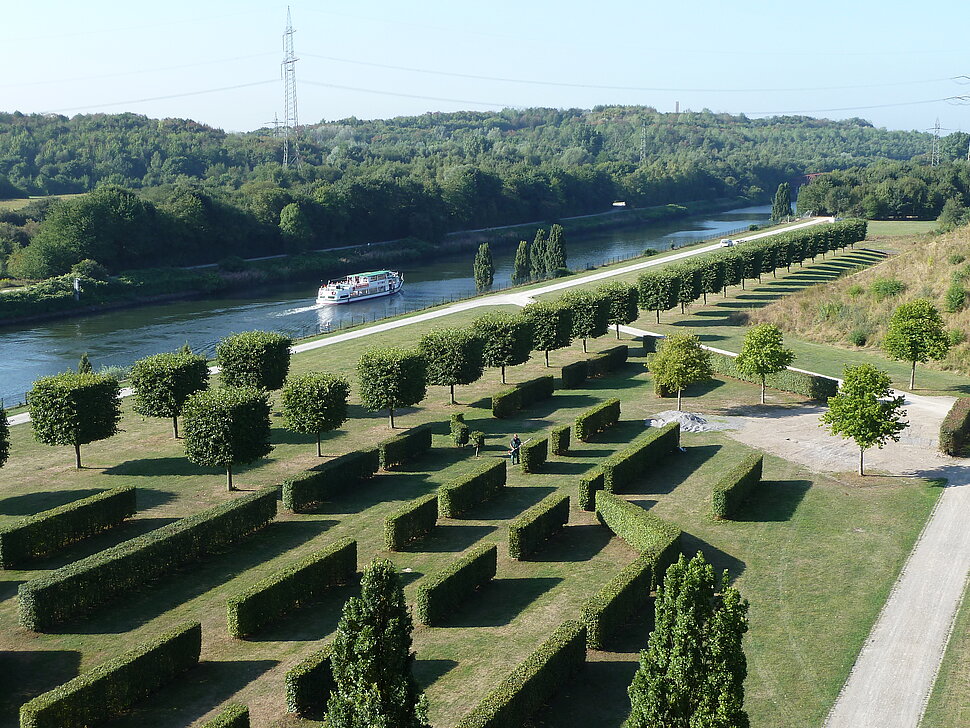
(891, 228)
(949, 704)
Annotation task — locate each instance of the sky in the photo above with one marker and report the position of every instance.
(896, 64)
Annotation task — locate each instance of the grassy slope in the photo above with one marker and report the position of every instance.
(949, 704)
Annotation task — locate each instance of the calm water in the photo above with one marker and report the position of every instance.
(118, 338)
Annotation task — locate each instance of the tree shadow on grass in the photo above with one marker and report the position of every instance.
(312, 621)
(360, 496)
(500, 601)
(43, 500)
(557, 402)
(561, 467)
(691, 544)
(587, 453)
(621, 433)
(124, 532)
(25, 675)
(574, 543)
(8, 588)
(428, 672)
(773, 500)
(449, 537)
(675, 469)
(509, 503)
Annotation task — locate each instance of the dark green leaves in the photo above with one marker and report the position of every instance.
(258, 359)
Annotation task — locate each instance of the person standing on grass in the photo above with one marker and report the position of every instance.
(514, 446)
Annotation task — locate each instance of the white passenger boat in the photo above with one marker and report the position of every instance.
(361, 286)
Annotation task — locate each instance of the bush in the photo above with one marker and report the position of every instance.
(440, 593)
(735, 486)
(534, 454)
(955, 429)
(321, 483)
(812, 386)
(559, 438)
(309, 684)
(113, 687)
(533, 682)
(459, 430)
(955, 259)
(89, 268)
(656, 539)
(955, 298)
(956, 336)
(84, 585)
(529, 530)
(46, 532)
(573, 375)
(235, 716)
(401, 448)
(597, 419)
(623, 596)
(524, 394)
(855, 290)
(292, 586)
(459, 495)
(259, 359)
(650, 343)
(640, 456)
(883, 288)
(859, 337)
(608, 360)
(412, 521)
(506, 403)
(588, 485)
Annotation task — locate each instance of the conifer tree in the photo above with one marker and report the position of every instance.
(537, 256)
(484, 267)
(521, 269)
(84, 364)
(781, 208)
(555, 251)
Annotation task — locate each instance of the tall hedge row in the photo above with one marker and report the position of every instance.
(813, 386)
(234, 716)
(623, 596)
(573, 375)
(534, 454)
(407, 446)
(532, 528)
(480, 485)
(46, 532)
(955, 429)
(533, 682)
(588, 485)
(86, 584)
(291, 587)
(309, 684)
(597, 419)
(414, 520)
(559, 440)
(639, 457)
(113, 687)
(306, 490)
(736, 485)
(656, 539)
(441, 592)
(608, 360)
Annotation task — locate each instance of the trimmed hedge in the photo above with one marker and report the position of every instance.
(112, 687)
(623, 596)
(559, 440)
(441, 592)
(650, 343)
(86, 584)
(608, 360)
(599, 418)
(736, 485)
(483, 483)
(507, 402)
(291, 587)
(637, 458)
(528, 531)
(401, 448)
(235, 716)
(309, 684)
(656, 539)
(955, 429)
(46, 532)
(414, 520)
(588, 485)
(812, 386)
(573, 375)
(533, 682)
(534, 454)
(304, 491)
(459, 430)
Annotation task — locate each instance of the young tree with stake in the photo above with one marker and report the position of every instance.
(763, 353)
(679, 362)
(916, 334)
(390, 378)
(258, 359)
(454, 356)
(622, 308)
(506, 337)
(552, 326)
(315, 403)
(163, 382)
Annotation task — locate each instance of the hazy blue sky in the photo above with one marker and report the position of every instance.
(753, 57)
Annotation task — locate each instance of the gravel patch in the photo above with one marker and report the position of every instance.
(690, 421)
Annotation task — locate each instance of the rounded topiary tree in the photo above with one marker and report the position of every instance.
(226, 427)
(391, 378)
(315, 403)
(74, 409)
(258, 359)
(622, 307)
(552, 326)
(453, 356)
(658, 290)
(163, 382)
(590, 313)
(507, 339)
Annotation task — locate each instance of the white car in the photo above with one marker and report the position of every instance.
(727, 242)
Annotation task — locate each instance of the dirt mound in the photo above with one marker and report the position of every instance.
(689, 421)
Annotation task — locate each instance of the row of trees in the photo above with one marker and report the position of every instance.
(544, 258)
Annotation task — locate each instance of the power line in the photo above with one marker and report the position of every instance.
(406, 96)
(948, 99)
(162, 98)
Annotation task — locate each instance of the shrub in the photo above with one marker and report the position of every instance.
(559, 439)
(623, 596)
(91, 582)
(46, 532)
(735, 486)
(650, 343)
(459, 495)
(573, 375)
(812, 386)
(883, 288)
(401, 448)
(529, 530)
(597, 419)
(855, 290)
(459, 430)
(588, 485)
(113, 687)
(536, 390)
(955, 298)
(531, 684)
(640, 456)
(506, 403)
(412, 521)
(441, 592)
(323, 482)
(955, 429)
(234, 716)
(477, 439)
(534, 454)
(259, 359)
(290, 587)
(608, 360)
(956, 336)
(859, 337)
(309, 684)
(955, 259)
(656, 539)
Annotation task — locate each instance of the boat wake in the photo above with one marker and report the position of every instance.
(301, 309)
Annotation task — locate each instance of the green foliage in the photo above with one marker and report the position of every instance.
(443, 591)
(453, 357)
(507, 339)
(4, 438)
(882, 288)
(559, 440)
(691, 275)
(658, 290)
(533, 682)
(390, 378)
(84, 585)
(608, 360)
(163, 382)
(259, 359)
(955, 258)
(507, 402)
(623, 596)
(681, 362)
(859, 336)
(88, 268)
(763, 353)
(321, 483)
(555, 250)
(521, 271)
(955, 429)
(481, 484)
(809, 385)
(309, 684)
(484, 268)
(113, 687)
(546, 518)
(407, 446)
(537, 256)
(552, 325)
(955, 298)
(573, 375)
(46, 532)
(590, 313)
(655, 538)
(640, 456)
(459, 430)
(781, 207)
(953, 214)
(916, 334)
(372, 662)
(534, 454)
(295, 227)
(477, 439)
(234, 716)
(588, 485)
(597, 419)
(84, 364)
(955, 337)
(414, 520)
(293, 586)
(314, 403)
(736, 486)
